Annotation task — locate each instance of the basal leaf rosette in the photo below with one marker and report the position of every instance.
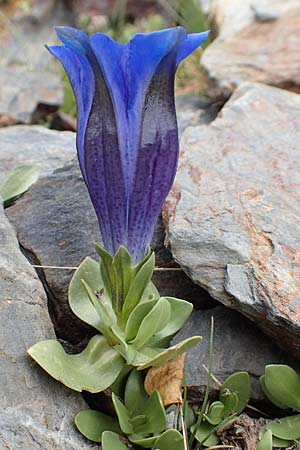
(134, 324)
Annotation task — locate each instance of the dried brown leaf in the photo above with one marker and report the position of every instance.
(167, 379)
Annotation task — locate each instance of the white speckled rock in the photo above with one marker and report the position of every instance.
(233, 215)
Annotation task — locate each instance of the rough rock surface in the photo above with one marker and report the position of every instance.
(35, 411)
(193, 111)
(30, 79)
(257, 41)
(233, 216)
(238, 345)
(23, 144)
(57, 226)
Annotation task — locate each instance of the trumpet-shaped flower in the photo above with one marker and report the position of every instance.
(127, 138)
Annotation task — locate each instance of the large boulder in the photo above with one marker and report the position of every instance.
(35, 411)
(256, 41)
(233, 214)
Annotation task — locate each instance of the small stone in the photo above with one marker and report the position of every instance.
(36, 412)
(233, 216)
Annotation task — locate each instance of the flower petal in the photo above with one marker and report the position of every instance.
(191, 43)
(81, 78)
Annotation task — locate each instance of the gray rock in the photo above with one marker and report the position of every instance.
(35, 411)
(23, 144)
(30, 79)
(57, 226)
(233, 214)
(257, 41)
(193, 111)
(238, 346)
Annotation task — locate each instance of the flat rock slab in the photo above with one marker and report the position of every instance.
(238, 346)
(261, 45)
(23, 144)
(35, 411)
(233, 216)
(57, 226)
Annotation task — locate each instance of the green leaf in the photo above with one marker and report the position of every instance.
(238, 383)
(136, 317)
(280, 443)
(80, 303)
(123, 415)
(169, 440)
(135, 394)
(286, 428)
(153, 322)
(17, 182)
(284, 385)
(180, 311)
(269, 395)
(230, 402)
(142, 441)
(156, 415)
(141, 361)
(92, 370)
(205, 434)
(137, 287)
(93, 423)
(105, 315)
(266, 441)
(150, 293)
(124, 271)
(111, 441)
(215, 413)
(109, 276)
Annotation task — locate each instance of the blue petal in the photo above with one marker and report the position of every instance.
(192, 42)
(81, 78)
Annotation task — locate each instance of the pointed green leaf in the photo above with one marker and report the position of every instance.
(180, 311)
(205, 434)
(215, 413)
(137, 287)
(136, 317)
(169, 440)
(79, 300)
(269, 395)
(123, 415)
(93, 423)
(106, 316)
(108, 274)
(286, 428)
(111, 441)
(135, 394)
(266, 441)
(167, 354)
(239, 383)
(17, 182)
(156, 415)
(154, 321)
(92, 370)
(284, 385)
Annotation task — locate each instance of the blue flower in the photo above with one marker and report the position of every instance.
(127, 138)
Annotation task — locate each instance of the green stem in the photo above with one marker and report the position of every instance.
(207, 390)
